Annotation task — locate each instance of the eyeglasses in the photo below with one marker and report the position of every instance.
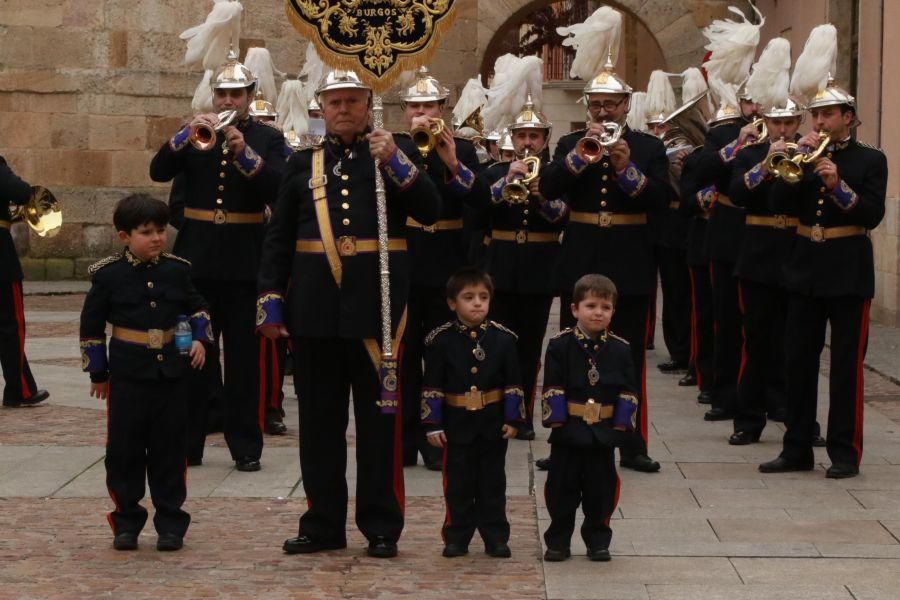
(607, 105)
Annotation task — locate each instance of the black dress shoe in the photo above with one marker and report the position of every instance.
(542, 463)
(704, 398)
(841, 471)
(275, 427)
(454, 550)
(671, 366)
(306, 545)
(689, 380)
(640, 462)
(500, 550)
(36, 398)
(598, 554)
(194, 462)
(742, 438)
(125, 541)
(818, 441)
(525, 434)
(552, 555)
(434, 466)
(247, 464)
(718, 414)
(169, 542)
(382, 548)
(783, 465)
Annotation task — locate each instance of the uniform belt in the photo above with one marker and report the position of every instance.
(348, 245)
(523, 236)
(4, 224)
(152, 338)
(448, 225)
(221, 216)
(723, 199)
(674, 204)
(817, 233)
(776, 221)
(608, 219)
(474, 399)
(590, 415)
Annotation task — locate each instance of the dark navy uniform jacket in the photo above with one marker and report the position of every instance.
(14, 191)
(695, 201)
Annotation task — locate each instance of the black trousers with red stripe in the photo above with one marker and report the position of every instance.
(325, 372)
(475, 492)
(807, 318)
(16, 372)
(630, 321)
(527, 315)
(727, 341)
(702, 330)
(676, 297)
(271, 376)
(585, 476)
(762, 373)
(146, 438)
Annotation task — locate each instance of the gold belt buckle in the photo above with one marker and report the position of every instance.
(780, 222)
(817, 233)
(474, 399)
(347, 245)
(429, 228)
(220, 216)
(155, 339)
(604, 219)
(591, 412)
(521, 236)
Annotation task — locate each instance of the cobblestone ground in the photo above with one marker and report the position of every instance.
(708, 526)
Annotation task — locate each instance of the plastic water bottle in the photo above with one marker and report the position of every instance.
(183, 336)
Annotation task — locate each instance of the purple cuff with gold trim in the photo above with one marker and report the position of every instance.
(844, 196)
(269, 309)
(180, 140)
(432, 406)
(707, 197)
(201, 327)
(756, 176)
(514, 404)
(497, 190)
(248, 162)
(574, 163)
(553, 210)
(400, 169)
(625, 412)
(93, 355)
(631, 180)
(728, 152)
(462, 182)
(553, 406)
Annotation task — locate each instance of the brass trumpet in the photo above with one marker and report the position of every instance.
(203, 137)
(425, 136)
(591, 148)
(41, 213)
(516, 192)
(763, 134)
(788, 165)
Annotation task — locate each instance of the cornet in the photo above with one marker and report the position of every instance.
(425, 136)
(591, 148)
(763, 134)
(203, 137)
(788, 165)
(41, 213)
(516, 192)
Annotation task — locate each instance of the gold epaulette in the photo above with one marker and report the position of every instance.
(171, 256)
(437, 331)
(565, 331)
(621, 339)
(503, 328)
(103, 262)
(870, 146)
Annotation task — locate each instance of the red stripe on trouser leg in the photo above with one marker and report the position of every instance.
(19, 309)
(743, 333)
(694, 326)
(397, 450)
(615, 499)
(860, 390)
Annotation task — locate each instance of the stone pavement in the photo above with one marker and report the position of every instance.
(708, 526)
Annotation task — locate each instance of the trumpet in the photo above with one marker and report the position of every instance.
(763, 134)
(591, 148)
(203, 137)
(516, 192)
(425, 136)
(41, 213)
(788, 165)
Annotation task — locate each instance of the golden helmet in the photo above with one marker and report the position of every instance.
(832, 95)
(793, 108)
(607, 82)
(232, 75)
(531, 118)
(339, 79)
(425, 89)
(260, 107)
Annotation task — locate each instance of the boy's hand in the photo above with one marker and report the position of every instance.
(508, 432)
(100, 391)
(438, 440)
(197, 354)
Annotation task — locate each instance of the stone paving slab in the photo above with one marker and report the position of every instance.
(748, 592)
(826, 532)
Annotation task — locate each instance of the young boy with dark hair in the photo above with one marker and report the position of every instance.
(472, 404)
(588, 399)
(141, 292)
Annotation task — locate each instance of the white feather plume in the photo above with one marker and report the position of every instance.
(314, 71)
(814, 64)
(510, 88)
(593, 41)
(770, 78)
(692, 84)
(733, 45)
(208, 44)
(203, 96)
(724, 93)
(472, 97)
(637, 112)
(292, 107)
(259, 61)
(660, 95)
